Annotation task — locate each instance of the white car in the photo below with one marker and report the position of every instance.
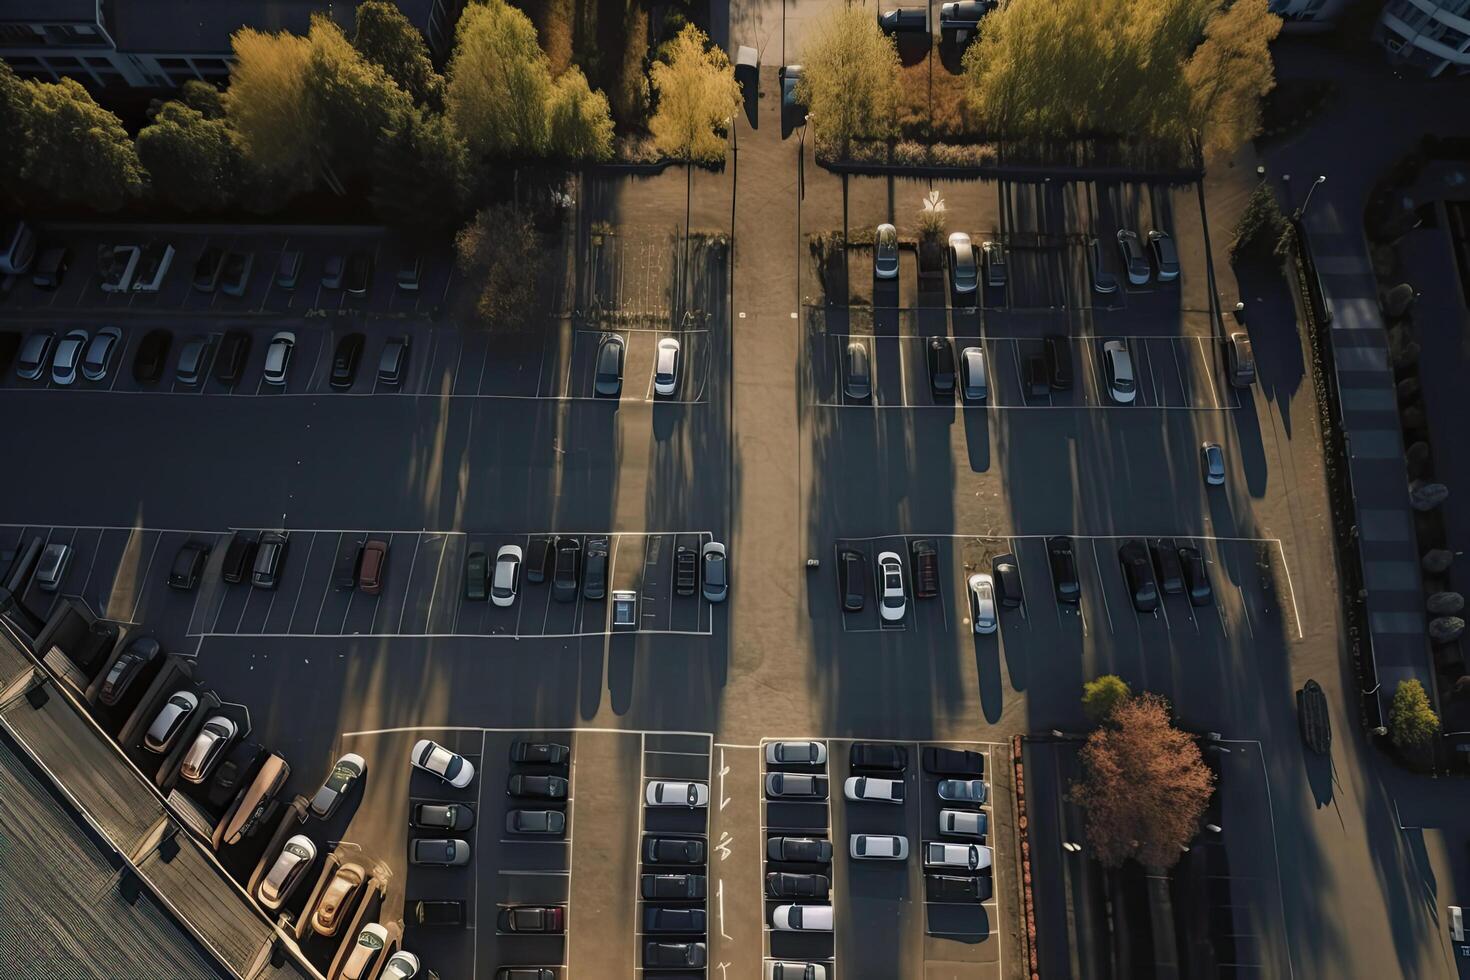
(963, 823)
(666, 367)
(402, 965)
(434, 758)
(871, 789)
(278, 357)
(288, 872)
(1118, 365)
(802, 918)
(211, 742)
(971, 857)
(796, 753)
(878, 847)
(894, 602)
(787, 970)
(982, 602)
(506, 580)
(98, 357)
(68, 355)
(962, 791)
(661, 793)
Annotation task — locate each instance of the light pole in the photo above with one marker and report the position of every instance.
(1303, 209)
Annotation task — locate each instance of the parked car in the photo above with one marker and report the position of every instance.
(1212, 464)
(97, 359)
(337, 899)
(68, 357)
(535, 822)
(193, 365)
(536, 787)
(539, 753)
(804, 850)
(974, 383)
(1103, 281)
(1037, 377)
(234, 352)
(476, 572)
(188, 566)
(153, 266)
(359, 273)
(568, 560)
(962, 791)
(1063, 561)
(666, 361)
(170, 721)
(239, 557)
(982, 603)
(288, 871)
(1242, 360)
(674, 955)
(345, 360)
(994, 255)
(904, 20)
(970, 857)
(278, 357)
(332, 271)
(1196, 576)
(782, 884)
(436, 760)
(924, 558)
(1058, 352)
(795, 753)
(894, 601)
(1135, 262)
(852, 577)
(437, 912)
(608, 382)
(672, 887)
(789, 970)
(885, 252)
(151, 356)
(50, 268)
(878, 756)
(51, 568)
(1118, 366)
(532, 919)
(657, 919)
(673, 850)
(372, 566)
(663, 793)
(442, 852)
(402, 965)
(953, 762)
(940, 359)
(117, 264)
(344, 566)
(594, 570)
(716, 571)
(17, 247)
(859, 382)
(873, 789)
(790, 785)
(207, 269)
(394, 361)
(288, 269)
(410, 274)
(878, 847)
(452, 817)
(344, 775)
(543, 549)
(269, 557)
(505, 582)
(127, 668)
(963, 277)
(1165, 554)
(35, 354)
(363, 958)
(963, 823)
(211, 742)
(1139, 574)
(964, 15)
(957, 888)
(1166, 257)
(802, 918)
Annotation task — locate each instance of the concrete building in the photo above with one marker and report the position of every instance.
(1430, 35)
(160, 44)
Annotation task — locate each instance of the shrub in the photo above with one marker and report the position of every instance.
(1411, 721)
(1262, 230)
(1101, 695)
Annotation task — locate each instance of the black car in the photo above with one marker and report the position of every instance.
(437, 912)
(332, 272)
(1064, 569)
(852, 576)
(51, 267)
(807, 850)
(686, 570)
(780, 884)
(152, 355)
(1038, 378)
(288, 269)
(685, 887)
(1058, 360)
(673, 850)
(954, 888)
(594, 571)
(1165, 553)
(239, 557)
(269, 557)
(235, 770)
(1139, 573)
(536, 787)
(344, 361)
(476, 568)
(207, 270)
(941, 367)
(568, 558)
(359, 273)
(954, 762)
(533, 918)
(873, 755)
(1008, 581)
(656, 919)
(344, 568)
(539, 753)
(1196, 576)
(234, 351)
(924, 562)
(538, 558)
(234, 278)
(608, 382)
(188, 566)
(691, 955)
(128, 667)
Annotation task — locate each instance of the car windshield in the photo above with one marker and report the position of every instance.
(714, 568)
(892, 582)
(275, 357)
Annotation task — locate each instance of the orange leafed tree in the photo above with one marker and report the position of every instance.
(1144, 787)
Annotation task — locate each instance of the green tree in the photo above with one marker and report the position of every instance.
(696, 96)
(500, 255)
(1101, 695)
(352, 100)
(191, 160)
(203, 98)
(579, 121)
(79, 151)
(499, 82)
(267, 103)
(389, 40)
(1262, 230)
(420, 172)
(850, 78)
(1411, 720)
(1231, 72)
(17, 107)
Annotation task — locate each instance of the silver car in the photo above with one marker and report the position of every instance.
(796, 753)
(982, 602)
(170, 720)
(666, 368)
(51, 569)
(963, 275)
(885, 252)
(974, 385)
(288, 872)
(662, 793)
(962, 791)
(1118, 366)
(1135, 262)
(1103, 281)
(211, 742)
(962, 823)
(278, 357)
(1166, 257)
(878, 847)
(716, 571)
(1212, 461)
(68, 356)
(505, 581)
(98, 357)
(969, 857)
(345, 773)
(35, 354)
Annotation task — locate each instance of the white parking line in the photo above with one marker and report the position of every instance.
(479, 802)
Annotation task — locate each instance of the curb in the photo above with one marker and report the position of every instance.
(1028, 922)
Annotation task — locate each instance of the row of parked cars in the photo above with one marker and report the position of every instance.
(673, 883)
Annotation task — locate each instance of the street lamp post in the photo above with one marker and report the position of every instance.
(1303, 209)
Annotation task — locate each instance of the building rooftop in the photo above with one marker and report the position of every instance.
(160, 26)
